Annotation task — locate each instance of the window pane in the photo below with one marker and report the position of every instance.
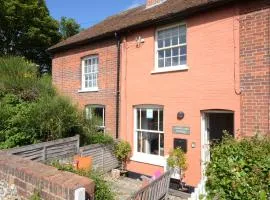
(167, 42)
(182, 38)
(86, 84)
(139, 141)
(149, 119)
(161, 63)
(160, 35)
(183, 50)
(161, 54)
(183, 60)
(168, 62)
(175, 51)
(174, 31)
(98, 114)
(182, 29)
(168, 52)
(89, 62)
(175, 61)
(160, 120)
(167, 33)
(175, 40)
(161, 145)
(138, 119)
(160, 43)
(150, 143)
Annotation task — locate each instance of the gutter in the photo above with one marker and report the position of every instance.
(118, 43)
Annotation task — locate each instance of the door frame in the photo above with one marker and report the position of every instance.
(204, 123)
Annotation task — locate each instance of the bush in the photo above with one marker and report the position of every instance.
(239, 169)
(122, 152)
(32, 112)
(102, 188)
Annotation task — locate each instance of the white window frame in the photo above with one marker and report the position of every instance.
(89, 89)
(144, 157)
(172, 68)
(90, 106)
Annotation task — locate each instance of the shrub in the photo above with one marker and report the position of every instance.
(32, 112)
(122, 152)
(177, 160)
(239, 169)
(102, 188)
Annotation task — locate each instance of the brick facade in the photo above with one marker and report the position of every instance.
(255, 67)
(66, 73)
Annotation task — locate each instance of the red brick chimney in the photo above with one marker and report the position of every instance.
(153, 2)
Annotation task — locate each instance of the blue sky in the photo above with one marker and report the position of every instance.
(89, 12)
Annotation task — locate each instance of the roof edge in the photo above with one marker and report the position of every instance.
(164, 19)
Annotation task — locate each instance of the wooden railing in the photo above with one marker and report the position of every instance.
(47, 151)
(156, 190)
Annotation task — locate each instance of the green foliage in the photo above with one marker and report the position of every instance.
(32, 112)
(35, 196)
(239, 169)
(27, 29)
(102, 189)
(68, 27)
(177, 159)
(122, 152)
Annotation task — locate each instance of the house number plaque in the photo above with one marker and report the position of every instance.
(181, 130)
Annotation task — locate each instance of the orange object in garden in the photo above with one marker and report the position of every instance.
(84, 163)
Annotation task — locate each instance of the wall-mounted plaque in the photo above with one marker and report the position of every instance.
(181, 130)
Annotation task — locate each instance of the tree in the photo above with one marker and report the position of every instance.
(27, 29)
(68, 27)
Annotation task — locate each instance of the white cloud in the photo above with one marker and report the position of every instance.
(136, 3)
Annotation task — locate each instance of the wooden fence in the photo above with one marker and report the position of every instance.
(103, 157)
(47, 151)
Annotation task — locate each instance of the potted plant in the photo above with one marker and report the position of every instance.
(122, 152)
(177, 161)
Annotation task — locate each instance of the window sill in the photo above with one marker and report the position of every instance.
(88, 90)
(170, 69)
(149, 159)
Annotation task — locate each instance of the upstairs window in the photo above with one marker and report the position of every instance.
(97, 114)
(90, 73)
(171, 48)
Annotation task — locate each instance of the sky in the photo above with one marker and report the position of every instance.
(89, 12)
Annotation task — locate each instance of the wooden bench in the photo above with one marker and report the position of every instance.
(155, 190)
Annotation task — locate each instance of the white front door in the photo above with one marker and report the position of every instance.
(205, 142)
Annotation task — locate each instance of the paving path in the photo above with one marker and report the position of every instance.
(124, 187)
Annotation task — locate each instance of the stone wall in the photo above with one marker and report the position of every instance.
(22, 177)
(8, 191)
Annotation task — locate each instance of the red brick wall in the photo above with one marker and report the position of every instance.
(30, 176)
(255, 67)
(66, 70)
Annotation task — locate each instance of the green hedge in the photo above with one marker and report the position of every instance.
(239, 169)
(31, 111)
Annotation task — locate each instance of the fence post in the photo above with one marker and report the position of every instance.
(78, 144)
(44, 153)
